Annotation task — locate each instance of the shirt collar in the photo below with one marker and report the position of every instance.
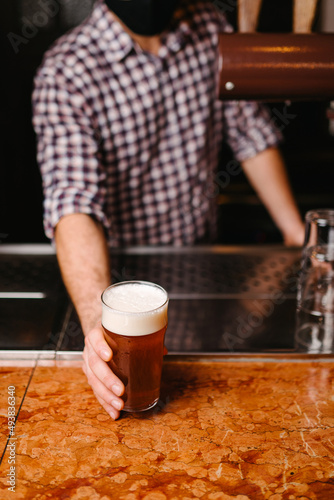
(116, 43)
(180, 29)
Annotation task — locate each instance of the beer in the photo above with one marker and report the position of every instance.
(134, 318)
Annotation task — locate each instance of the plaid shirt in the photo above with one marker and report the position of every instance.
(133, 139)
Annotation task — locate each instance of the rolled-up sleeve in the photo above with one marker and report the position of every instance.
(249, 128)
(67, 151)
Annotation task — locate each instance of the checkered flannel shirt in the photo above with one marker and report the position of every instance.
(133, 139)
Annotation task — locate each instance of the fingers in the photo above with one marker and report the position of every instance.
(106, 386)
(107, 399)
(114, 414)
(102, 371)
(99, 343)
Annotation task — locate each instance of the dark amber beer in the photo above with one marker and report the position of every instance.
(134, 319)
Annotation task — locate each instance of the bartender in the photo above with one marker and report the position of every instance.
(129, 131)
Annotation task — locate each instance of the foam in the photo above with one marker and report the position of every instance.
(134, 309)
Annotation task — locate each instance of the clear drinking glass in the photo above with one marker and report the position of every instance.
(319, 227)
(315, 296)
(134, 319)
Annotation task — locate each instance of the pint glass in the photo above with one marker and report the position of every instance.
(315, 295)
(315, 301)
(134, 319)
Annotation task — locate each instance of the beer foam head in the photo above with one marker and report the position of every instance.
(134, 308)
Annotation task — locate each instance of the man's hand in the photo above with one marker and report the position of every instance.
(81, 240)
(106, 386)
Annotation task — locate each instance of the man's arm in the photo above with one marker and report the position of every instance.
(84, 262)
(267, 174)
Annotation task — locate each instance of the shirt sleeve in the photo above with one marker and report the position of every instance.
(248, 126)
(67, 151)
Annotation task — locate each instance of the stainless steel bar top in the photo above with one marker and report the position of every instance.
(223, 299)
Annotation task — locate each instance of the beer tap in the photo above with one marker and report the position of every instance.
(274, 66)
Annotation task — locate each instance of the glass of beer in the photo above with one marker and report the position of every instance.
(134, 319)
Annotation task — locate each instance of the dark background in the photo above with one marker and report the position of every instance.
(308, 146)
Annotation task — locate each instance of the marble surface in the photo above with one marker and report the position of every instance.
(221, 431)
(12, 376)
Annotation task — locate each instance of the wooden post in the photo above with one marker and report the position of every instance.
(248, 15)
(303, 15)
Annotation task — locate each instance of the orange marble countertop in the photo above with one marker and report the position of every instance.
(221, 431)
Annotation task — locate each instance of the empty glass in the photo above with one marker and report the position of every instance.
(315, 301)
(315, 297)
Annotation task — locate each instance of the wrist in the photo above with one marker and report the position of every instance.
(89, 312)
(294, 235)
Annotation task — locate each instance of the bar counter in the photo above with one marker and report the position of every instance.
(241, 416)
(224, 428)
